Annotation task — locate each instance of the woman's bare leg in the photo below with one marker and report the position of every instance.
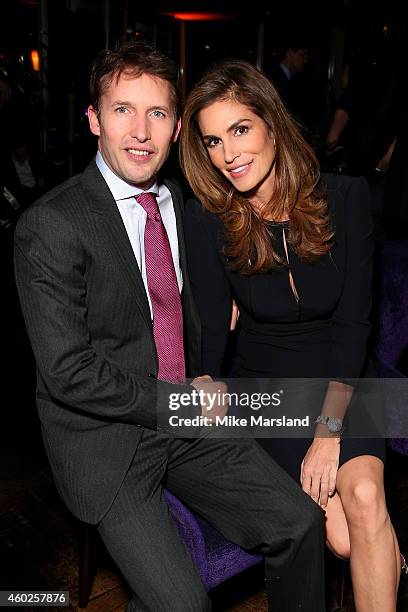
(374, 554)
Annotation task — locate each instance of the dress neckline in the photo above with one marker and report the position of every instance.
(277, 223)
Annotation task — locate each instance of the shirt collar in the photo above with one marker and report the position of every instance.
(286, 71)
(120, 189)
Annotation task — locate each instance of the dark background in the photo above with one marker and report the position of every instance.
(68, 33)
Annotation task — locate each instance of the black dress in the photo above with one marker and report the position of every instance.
(320, 333)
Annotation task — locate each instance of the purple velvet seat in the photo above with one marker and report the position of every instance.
(215, 558)
(392, 337)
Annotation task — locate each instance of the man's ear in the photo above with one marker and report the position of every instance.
(176, 131)
(93, 121)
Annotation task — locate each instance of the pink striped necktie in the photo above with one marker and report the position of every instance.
(164, 293)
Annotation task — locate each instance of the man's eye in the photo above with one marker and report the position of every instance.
(120, 109)
(241, 129)
(158, 113)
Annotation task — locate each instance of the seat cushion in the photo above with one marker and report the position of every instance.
(215, 558)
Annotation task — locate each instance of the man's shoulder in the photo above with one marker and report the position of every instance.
(67, 195)
(60, 194)
(278, 77)
(56, 201)
(62, 204)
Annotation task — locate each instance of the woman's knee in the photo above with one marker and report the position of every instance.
(364, 504)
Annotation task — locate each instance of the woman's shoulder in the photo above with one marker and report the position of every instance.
(347, 196)
(195, 213)
(194, 208)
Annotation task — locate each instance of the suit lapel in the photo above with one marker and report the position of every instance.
(178, 205)
(102, 203)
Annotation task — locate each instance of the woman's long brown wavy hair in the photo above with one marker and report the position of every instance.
(297, 193)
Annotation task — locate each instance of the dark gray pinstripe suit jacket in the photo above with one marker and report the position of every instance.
(88, 320)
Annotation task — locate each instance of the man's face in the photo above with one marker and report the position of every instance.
(297, 60)
(136, 126)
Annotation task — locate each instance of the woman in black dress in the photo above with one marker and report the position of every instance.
(293, 250)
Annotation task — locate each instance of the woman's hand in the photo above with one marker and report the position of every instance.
(319, 469)
(234, 316)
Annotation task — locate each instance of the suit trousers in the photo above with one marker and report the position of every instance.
(237, 488)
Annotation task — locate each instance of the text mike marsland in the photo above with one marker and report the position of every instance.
(234, 421)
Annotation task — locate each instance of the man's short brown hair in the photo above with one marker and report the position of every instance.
(132, 59)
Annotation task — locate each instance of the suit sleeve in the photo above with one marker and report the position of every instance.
(209, 283)
(351, 326)
(50, 262)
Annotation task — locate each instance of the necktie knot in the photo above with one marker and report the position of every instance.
(148, 202)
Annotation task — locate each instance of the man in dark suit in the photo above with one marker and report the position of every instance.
(107, 340)
(285, 76)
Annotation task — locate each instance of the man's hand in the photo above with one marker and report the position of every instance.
(213, 402)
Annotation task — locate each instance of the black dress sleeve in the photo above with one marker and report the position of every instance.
(209, 283)
(351, 326)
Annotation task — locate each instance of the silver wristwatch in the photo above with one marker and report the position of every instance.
(333, 425)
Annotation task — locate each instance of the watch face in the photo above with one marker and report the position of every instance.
(334, 425)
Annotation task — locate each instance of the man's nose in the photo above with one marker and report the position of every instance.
(140, 129)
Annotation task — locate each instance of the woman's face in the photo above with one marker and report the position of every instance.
(240, 146)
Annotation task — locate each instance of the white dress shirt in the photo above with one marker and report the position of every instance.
(134, 218)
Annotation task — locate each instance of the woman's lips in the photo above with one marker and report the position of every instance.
(239, 170)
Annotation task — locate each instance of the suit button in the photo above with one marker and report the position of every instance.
(151, 375)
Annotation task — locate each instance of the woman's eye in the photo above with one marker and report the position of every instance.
(212, 142)
(241, 129)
